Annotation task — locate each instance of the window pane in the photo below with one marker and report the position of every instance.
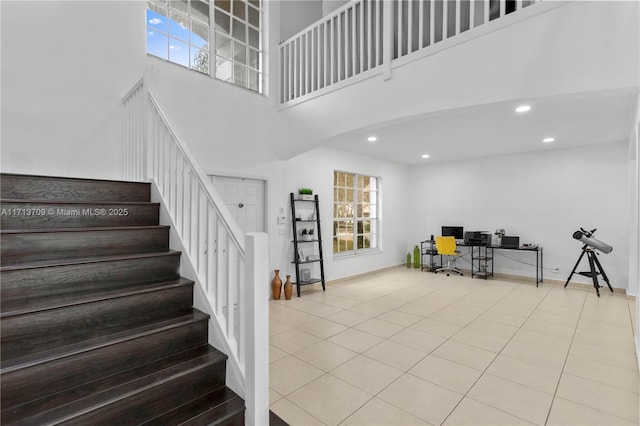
(157, 44)
(256, 3)
(224, 5)
(223, 69)
(349, 195)
(254, 38)
(223, 46)
(223, 22)
(181, 5)
(239, 9)
(253, 80)
(200, 34)
(254, 16)
(254, 59)
(179, 52)
(238, 30)
(240, 75)
(157, 18)
(239, 53)
(200, 60)
(179, 26)
(200, 10)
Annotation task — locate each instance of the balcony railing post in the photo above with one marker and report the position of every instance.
(387, 39)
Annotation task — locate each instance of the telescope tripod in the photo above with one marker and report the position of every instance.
(595, 269)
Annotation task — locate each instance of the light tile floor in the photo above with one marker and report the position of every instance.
(404, 347)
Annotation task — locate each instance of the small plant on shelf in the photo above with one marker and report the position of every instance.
(305, 191)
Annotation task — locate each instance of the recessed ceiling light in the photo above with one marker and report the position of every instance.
(372, 138)
(425, 155)
(548, 140)
(523, 108)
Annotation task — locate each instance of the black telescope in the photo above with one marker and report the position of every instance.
(586, 238)
(595, 268)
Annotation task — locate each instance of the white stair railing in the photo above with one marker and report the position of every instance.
(364, 35)
(212, 242)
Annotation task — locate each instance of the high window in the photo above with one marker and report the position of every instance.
(238, 35)
(178, 31)
(356, 225)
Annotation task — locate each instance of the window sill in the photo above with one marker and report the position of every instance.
(351, 255)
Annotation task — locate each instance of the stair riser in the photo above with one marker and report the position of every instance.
(18, 285)
(222, 400)
(31, 333)
(22, 187)
(34, 246)
(44, 379)
(145, 406)
(17, 215)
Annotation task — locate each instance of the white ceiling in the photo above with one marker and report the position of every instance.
(496, 129)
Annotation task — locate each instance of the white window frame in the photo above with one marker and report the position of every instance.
(373, 216)
(189, 17)
(246, 55)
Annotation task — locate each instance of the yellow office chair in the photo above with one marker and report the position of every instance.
(446, 246)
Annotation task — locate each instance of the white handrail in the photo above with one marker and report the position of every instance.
(212, 243)
(363, 35)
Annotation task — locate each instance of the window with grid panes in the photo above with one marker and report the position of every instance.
(238, 35)
(178, 31)
(356, 225)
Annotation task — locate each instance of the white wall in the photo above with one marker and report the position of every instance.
(296, 15)
(65, 67)
(578, 47)
(541, 197)
(315, 170)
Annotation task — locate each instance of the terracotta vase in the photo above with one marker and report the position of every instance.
(276, 285)
(288, 287)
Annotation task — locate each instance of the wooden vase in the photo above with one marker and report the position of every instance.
(288, 287)
(276, 285)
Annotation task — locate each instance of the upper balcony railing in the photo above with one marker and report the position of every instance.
(363, 37)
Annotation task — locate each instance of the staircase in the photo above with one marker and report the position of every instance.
(97, 326)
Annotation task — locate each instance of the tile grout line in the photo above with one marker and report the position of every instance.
(564, 364)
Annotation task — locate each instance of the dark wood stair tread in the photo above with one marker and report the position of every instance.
(219, 404)
(46, 263)
(97, 386)
(25, 306)
(71, 202)
(65, 188)
(86, 229)
(43, 357)
(128, 384)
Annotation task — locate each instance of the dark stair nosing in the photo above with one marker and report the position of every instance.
(85, 229)
(68, 261)
(103, 384)
(95, 296)
(89, 202)
(229, 413)
(39, 358)
(150, 380)
(184, 412)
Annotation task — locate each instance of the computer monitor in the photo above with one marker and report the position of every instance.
(453, 231)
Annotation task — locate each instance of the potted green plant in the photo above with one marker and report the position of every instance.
(306, 193)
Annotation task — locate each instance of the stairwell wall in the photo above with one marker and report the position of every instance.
(65, 68)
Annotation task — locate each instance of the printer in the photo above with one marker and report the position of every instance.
(477, 238)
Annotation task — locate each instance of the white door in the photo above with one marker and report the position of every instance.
(245, 200)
